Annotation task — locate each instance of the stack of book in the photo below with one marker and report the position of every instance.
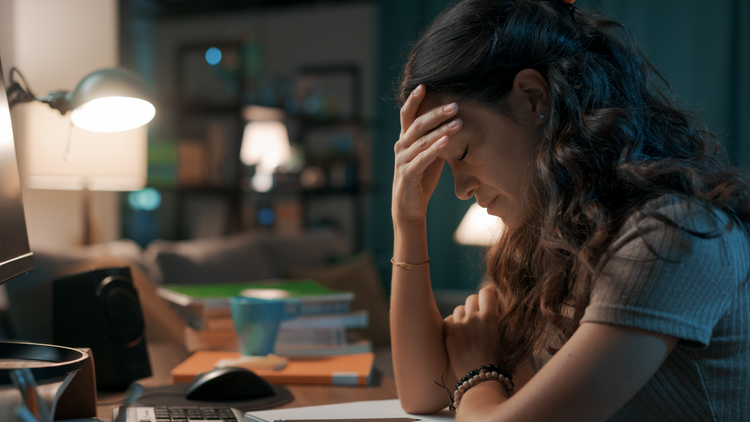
(320, 330)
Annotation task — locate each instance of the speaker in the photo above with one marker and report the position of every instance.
(99, 309)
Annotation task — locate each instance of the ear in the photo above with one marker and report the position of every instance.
(529, 97)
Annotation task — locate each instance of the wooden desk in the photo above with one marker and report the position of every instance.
(165, 356)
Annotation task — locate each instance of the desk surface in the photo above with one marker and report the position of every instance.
(165, 356)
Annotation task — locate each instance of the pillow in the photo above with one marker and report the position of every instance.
(287, 253)
(216, 260)
(359, 275)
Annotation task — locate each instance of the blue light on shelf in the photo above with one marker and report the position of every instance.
(147, 199)
(213, 56)
(266, 216)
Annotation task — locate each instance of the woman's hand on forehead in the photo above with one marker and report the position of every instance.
(418, 164)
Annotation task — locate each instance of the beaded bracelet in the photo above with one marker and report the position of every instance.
(484, 373)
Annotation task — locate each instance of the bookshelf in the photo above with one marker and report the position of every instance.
(326, 186)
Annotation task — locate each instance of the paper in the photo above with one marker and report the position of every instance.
(360, 409)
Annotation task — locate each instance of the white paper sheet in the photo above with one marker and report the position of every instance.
(360, 409)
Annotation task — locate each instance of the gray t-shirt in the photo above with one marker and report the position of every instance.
(666, 280)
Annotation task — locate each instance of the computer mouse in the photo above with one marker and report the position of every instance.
(228, 384)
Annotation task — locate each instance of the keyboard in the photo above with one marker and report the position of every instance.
(180, 414)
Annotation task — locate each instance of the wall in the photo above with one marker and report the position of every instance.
(703, 52)
(55, 44)
(6, 33)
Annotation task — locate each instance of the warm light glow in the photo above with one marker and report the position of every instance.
(96, 161)
(113, 114)
(478, 228)
(262, 181)
(266, 145)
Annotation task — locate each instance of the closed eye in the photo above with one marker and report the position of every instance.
(464, 154)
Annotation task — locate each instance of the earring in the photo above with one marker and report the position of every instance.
(541, 116)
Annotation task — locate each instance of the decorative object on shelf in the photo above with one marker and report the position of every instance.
(478, 228)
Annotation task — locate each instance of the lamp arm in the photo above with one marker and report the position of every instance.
(59, 100)
(18, 94)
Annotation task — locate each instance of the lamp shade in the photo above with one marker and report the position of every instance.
(111, 100)
(97, 161)
(478, 227)
(265, 144)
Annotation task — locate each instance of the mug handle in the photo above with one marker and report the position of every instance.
(295, 305)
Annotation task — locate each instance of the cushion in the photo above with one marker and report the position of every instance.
(296, 252)
(214, 260)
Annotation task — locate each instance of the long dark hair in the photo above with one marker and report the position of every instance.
(613, 140)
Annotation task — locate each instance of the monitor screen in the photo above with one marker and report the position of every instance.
(15, 256)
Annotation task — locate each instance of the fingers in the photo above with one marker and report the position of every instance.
(425, 158)
(408, 153)
(472, 304)
(459, 313)
(425, 123)
(487, 299)
(409, 109)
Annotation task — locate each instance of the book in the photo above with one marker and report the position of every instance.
(352, 369)
(199, 304)
(357, 319)
(317, 336)
(304, 336)
(307, 350)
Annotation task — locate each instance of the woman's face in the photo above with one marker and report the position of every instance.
(491, 157)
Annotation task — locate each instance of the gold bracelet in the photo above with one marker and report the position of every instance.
(409, 266)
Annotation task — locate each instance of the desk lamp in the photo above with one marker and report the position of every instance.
(106, 101)
(478, 228)
(101, 147)
(265, 144)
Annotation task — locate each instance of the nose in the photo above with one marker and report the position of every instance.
(464, 184)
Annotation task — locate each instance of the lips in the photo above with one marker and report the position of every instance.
(486, 204)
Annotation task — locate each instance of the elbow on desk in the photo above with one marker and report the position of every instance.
(419, 404)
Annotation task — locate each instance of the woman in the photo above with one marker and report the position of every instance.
(621, 285)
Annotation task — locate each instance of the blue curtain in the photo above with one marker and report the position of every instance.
(701, 47)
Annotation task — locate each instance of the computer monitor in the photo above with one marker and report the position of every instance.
(16, 257)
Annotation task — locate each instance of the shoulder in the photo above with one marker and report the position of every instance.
(674, 268)
(673, 226)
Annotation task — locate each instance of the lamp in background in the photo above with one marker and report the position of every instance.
(478, 228)
(101, 147)
(265, 144)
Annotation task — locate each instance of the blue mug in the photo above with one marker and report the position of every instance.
(257, 322)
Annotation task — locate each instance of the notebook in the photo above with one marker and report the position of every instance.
(354, 369)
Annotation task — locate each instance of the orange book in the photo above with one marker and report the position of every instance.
(354, 369)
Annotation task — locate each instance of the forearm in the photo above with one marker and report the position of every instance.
(419, 354)
(482, 403)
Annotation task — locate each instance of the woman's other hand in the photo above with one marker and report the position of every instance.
(418, 166)
(471, 333)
